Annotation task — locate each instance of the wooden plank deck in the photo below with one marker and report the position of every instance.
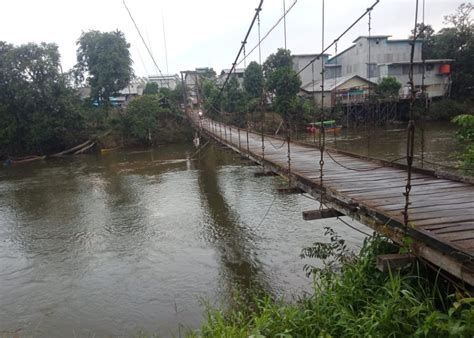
(441, 214)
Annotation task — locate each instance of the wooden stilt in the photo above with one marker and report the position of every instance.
(320, 214)
(393, 262)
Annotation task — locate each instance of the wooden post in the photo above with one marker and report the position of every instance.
(320, 214)
(240, 147)
(392, 262)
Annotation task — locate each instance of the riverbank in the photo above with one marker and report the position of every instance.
(352, 298)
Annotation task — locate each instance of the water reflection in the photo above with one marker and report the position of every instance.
(240, 269)
(389, 142)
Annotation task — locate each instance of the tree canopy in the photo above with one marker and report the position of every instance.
(388, 87)
(454, 42)
(38, 110)
(284, 83)
(151, 88)
(104, 61)
(253, 80)
(234, 99)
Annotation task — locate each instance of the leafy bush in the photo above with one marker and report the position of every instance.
(388, 87)
(353, 300)
(447, 109)
(466, 136)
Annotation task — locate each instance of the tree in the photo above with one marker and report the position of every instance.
(388, 87)
(103, 59)
(207, 73)
(284, 83)
(253, 80)
(280, 59)
(38, 109)
(145, 115)
(457, 42)
(234, 100)
(151, 88)
(212, 100)
(466, 137)
(425, 33)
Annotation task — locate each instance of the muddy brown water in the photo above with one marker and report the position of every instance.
(137, 240)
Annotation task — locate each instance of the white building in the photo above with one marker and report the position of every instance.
(238, 73)
(192, 82)
(373, 58)
(165, 81)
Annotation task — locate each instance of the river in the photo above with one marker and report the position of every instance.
(137, 240)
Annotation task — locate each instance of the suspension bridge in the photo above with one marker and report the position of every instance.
(440, 227)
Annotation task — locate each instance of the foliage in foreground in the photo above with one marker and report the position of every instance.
(357, 300)
(466, 136)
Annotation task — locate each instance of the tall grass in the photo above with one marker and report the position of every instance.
(352, 300)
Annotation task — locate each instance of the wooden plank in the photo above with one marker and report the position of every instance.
(458, 236)
(435, 228)
(380, 202)
(440, 205)
(444, 220)
(320, 214)
(415, 186)
(393, 262)
(414, 192)
(459, 227)
(420, 215)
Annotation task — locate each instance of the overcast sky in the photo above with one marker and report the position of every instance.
(205, 33)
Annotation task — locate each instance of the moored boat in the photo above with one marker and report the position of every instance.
(24, 159)
(330, 126)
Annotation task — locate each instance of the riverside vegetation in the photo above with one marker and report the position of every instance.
(40, 108)
(351, 298)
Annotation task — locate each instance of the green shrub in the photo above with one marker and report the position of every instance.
(447, 109)
(465, 135)
(353, 300)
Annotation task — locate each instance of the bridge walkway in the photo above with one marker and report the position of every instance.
(441, 213)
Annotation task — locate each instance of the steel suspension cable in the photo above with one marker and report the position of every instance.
(284, 22)
(423, 95)
(267, 34)
(257, 14)
(141, 36)
(322, 132)
(262, 113)
(411, 124)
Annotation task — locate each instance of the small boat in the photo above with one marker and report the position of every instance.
(330, 126)
(24, 159)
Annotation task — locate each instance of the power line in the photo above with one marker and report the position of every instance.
(269, 31)
(284, 21)
(164, 39)
(141, 36)
(368, 10)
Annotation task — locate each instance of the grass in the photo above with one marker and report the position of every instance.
(353, 299)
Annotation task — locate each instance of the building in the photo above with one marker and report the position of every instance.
(375, 57)
(301, 60)
(123, 97)
(192, 82)
(345, 90)
(165, 81)
(238, 73)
